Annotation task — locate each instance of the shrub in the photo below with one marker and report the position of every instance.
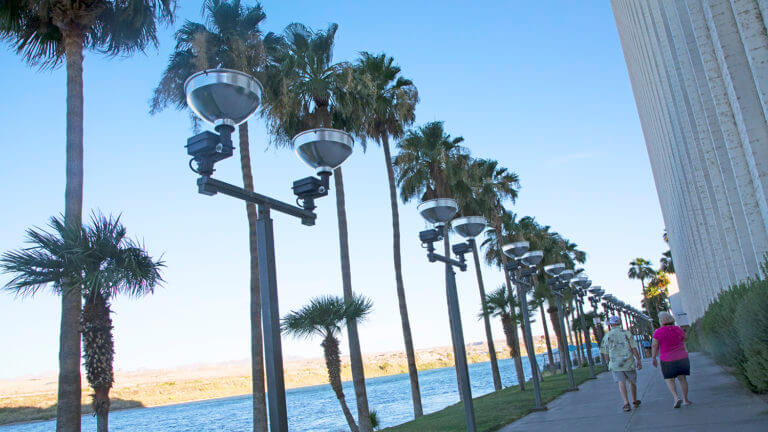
(734, 331)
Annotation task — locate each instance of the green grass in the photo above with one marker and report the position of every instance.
(494, 410)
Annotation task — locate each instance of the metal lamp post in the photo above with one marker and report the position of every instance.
(439, 212)
(521, 266)
(594, 299)
(558, 282)
(226, 98)
(470, 227)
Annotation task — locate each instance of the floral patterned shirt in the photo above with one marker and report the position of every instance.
(618, 344)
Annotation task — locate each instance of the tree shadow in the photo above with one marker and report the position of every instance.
(23, 414)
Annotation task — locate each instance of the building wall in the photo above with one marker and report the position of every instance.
(699, 73)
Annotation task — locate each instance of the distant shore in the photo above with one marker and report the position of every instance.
(34, 399)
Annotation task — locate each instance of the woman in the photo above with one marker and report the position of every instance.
(668, 344)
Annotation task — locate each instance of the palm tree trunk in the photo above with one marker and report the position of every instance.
(570, 334)
(516, 358)
(562, 347)
(68, 409)
(333, 364)
(257, 352)
(410, 353)
(98, 349)
(355, 355)
(486, 321)
(550, 357)
(513, 342)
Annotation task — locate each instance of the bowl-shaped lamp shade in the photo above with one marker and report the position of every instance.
(588, 283)
(566, 275)
(516, 249)
(578, 281)
(469, 226)
(532, 258)
(223, 96)
(595, 290)
(554, 269)
(323, 149)
(438, 211)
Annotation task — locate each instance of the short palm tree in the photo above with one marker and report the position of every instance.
(324, 317)
(229, 38)
(46, 33)
(305, 89)
(390, 108)
(105, 263)
(504, 304)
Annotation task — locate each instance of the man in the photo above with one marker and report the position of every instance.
(623, 357)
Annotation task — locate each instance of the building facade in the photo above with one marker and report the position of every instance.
(699, 73)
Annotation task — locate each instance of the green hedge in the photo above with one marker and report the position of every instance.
(734, 331)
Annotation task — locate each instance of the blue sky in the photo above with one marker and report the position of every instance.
(540, 86)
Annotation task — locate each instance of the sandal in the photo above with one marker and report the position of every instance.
(678, 403)
(627, 408)
(636, 403)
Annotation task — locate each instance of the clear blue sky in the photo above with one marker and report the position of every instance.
(540, 86)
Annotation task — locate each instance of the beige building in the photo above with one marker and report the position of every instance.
(699, 72)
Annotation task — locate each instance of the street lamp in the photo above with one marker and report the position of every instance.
(226, 98)
(558, 282)
(439, 212)
(470, 227)
(580, 286)
(523, 265)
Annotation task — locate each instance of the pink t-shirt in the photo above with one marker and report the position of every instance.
(671, 346)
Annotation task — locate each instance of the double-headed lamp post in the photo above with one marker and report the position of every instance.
(439, 212)
(579, 286)
(522, 266)
(558, 282)
(226, 98)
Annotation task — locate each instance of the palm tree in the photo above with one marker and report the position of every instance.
(641, 269)
(503, 303)
(304, 89)
(45, 33)
(427, 166)
(390, 108)
(324, 316)
(230, 38)
(482, 190)
(102, 260)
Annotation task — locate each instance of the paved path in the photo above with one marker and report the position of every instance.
(720, 403)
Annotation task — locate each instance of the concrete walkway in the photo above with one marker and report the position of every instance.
(720, 403)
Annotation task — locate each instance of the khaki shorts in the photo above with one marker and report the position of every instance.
(622, 376)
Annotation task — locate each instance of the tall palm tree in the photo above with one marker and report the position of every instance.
(46, 33)
(324, 316)
(229, 38)
(105, 263)
(641, 269)
(504, 304)
(305, 89)
(390, 108)
(482, 190)
(427, 166)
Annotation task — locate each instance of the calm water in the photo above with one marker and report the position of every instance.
(309, 408)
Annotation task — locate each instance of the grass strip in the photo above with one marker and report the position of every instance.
(496, 409)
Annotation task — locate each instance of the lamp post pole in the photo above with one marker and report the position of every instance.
(567, 348)
(587, 342)
(522, 292)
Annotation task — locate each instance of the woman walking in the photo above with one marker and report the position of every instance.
(668, 344)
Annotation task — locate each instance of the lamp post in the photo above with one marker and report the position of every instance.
(558, 281)
(470, 227)
(580, 284)
(226, 98)
(439, 212)
(594, 299)
(523, 265)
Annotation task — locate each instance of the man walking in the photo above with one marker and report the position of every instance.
(623, 358)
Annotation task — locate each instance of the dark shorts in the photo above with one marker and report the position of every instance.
(675, 368)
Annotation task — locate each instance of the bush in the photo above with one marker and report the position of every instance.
(734, 331)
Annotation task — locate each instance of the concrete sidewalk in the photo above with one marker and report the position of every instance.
(720, 403)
